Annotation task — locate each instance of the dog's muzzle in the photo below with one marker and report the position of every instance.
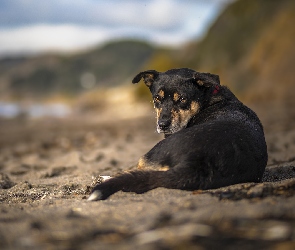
(163, 126)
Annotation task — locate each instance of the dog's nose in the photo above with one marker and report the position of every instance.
(164, 124)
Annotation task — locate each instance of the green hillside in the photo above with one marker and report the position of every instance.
(44, 75)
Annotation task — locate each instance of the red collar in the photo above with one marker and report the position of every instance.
(216, 89)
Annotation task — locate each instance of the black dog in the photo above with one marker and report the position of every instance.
(211, 138)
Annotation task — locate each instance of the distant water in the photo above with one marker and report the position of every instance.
(11, 110)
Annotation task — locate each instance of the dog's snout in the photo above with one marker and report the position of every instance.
(164, 124)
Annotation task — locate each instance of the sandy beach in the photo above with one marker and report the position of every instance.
(48, 167)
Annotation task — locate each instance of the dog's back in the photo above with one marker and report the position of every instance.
(220, 143)
(224, 144)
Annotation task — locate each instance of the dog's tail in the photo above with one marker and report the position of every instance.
(140, 182)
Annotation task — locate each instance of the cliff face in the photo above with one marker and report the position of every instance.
(251, 46)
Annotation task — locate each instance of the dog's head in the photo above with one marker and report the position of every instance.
(178, 95)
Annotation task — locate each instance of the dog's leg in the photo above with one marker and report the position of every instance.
(136, 181)
(143, 181)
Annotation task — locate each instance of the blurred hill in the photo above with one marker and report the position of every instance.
(251, 47)
(45, 75)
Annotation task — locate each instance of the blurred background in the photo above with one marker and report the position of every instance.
(69, 113)
(65, 58)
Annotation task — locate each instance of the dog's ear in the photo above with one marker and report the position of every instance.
(206, 79)
(149, 76)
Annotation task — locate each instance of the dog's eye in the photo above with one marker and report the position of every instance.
(157, 99)
(182, 100)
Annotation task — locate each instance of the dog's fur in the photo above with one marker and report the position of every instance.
(211, 138)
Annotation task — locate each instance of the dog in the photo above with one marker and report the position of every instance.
(211, 139)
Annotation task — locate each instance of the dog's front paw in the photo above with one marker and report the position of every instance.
(96, 193)
(95, 196)
(102, 189)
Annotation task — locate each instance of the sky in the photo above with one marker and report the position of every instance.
(36, 26)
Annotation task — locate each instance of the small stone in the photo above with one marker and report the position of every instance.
(277, 232)
(5, 182)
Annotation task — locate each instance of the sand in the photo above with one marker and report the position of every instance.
(48, 167)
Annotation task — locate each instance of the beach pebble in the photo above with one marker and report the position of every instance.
(5, 181)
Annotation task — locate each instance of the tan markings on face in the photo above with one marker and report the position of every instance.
(175, 97)
(158, 112)
(200, 82)
(148, 79)
(195, 107)
(180, 118)
(161, 93)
